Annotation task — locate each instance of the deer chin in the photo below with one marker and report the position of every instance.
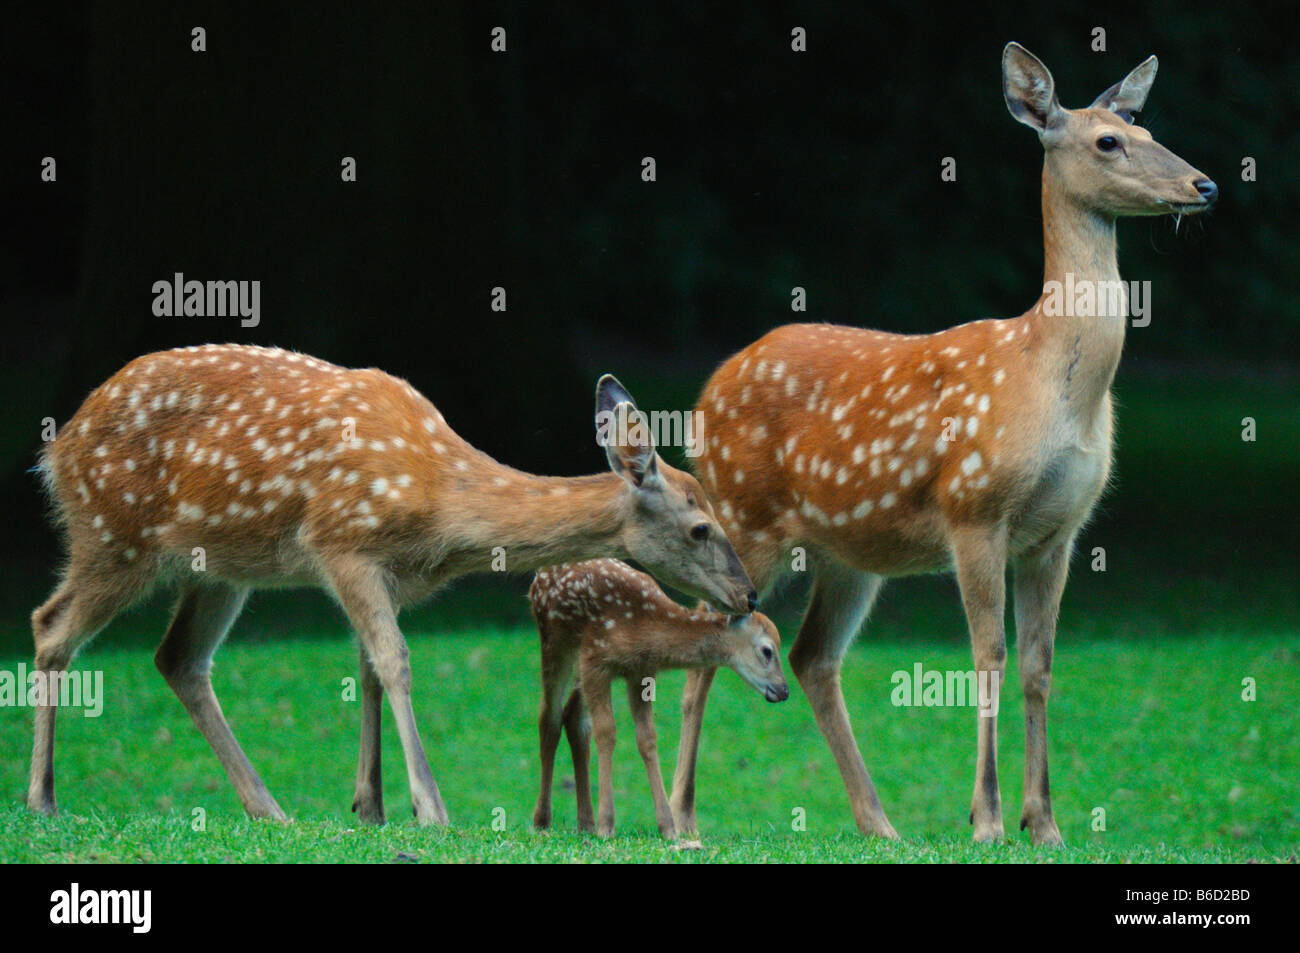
(1164, 207)
(732, 605)
(776, 693)
(730, 602)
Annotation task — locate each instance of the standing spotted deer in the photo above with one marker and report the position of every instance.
(283, 470)
(600, 620)
(965, 450)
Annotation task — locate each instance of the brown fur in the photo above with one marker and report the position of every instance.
(601, 620)
(888, 454)
(225, 468)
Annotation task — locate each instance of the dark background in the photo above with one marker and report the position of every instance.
(775, 169)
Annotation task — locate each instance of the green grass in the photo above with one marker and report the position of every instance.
(1155, 733)
(1146, 717)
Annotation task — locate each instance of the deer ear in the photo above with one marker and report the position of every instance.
(624, 432)
(609, 394)
(1029, 90)
(1129, 95)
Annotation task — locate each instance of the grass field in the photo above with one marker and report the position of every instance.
(1155, 733)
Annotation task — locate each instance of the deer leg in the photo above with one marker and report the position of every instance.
(557, 671)
(762, 562)
(980, 554)
(359, 586)
(368, 802)
(841, 600)
(1040, 582)
(577, 728)
(69, 619)
(595, 689)
(694, 696)
(647, 745)
(203, 616)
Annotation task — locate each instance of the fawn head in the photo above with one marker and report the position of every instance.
(669, 526)
(756, 654)
(1096, 156)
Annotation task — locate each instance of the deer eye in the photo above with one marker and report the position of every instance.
(700, 532)
(1107, 143)
(767, 653)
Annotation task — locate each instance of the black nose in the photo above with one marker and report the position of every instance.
(1209, 191)
(752, 600)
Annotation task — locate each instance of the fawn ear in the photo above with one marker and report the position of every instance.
(1029, 90)
(1128, 95)
(624, 432)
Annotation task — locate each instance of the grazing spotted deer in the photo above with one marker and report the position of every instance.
(222, 469)
(603, 620)
(965, 450)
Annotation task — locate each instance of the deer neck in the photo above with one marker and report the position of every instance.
(698, 644)
(496, 518)
(1080, 347)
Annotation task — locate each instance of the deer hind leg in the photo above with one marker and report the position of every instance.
(70, 618)
(577, 728)
(557, 673)
(1040, 582)
(360, 587)
(980, 554)
(647, 745)
(694, 696)
(595, 690)
(368, 801)
(202, 619)
(841, 600)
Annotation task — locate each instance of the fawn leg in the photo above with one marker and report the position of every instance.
(577, 728)
(694, 696)
(646, 744)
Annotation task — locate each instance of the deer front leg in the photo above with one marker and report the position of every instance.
(694, 697)
(359, 585)
(647, 745)
(368, 802)
(980, 556)
(1040, 582)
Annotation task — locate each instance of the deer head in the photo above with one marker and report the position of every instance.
(670, 527)
(1096, 156)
